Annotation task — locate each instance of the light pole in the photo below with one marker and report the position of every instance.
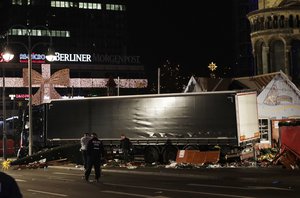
(158, 80)
(4, 148)
(29, 47)
(4, 135)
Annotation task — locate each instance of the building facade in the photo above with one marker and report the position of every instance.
(275, 37)
(90, 41)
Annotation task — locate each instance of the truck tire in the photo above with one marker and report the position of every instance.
(151, 155)
(169, 154)
(191, 147)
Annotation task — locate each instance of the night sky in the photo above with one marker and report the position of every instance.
(185, 33)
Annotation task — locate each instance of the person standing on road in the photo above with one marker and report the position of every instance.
(95, 152)
(9, 187)
(84, 142)
(126, 146)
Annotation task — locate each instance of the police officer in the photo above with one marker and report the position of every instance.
(126, 146)
(95, 152)
(9, 187)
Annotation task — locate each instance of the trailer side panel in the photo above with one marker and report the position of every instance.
(179, 116)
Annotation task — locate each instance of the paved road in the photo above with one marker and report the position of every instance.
(160, 183)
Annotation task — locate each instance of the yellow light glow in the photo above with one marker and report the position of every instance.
(6, 164)
(212, 66)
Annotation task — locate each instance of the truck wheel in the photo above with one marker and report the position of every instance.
(151, 155)
(191, 147)
(169, 154)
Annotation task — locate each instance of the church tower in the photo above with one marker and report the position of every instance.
(275, 37)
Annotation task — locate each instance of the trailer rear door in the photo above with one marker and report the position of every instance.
(247, 117)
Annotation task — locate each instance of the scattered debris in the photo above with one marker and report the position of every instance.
(288, 159)
(185, 159)
(41, 164)
(289, 155)
(197, 157)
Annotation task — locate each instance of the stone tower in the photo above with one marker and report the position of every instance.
(275, 37)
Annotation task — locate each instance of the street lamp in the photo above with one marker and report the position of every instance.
(7, 56)
(4, 148)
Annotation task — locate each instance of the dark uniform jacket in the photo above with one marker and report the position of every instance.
(9, 187)
(125, 144)
(95, 149)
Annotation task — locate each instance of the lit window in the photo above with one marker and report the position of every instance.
(67, 4)
(67, 34)
(57, 33)
(63, 33)
(23, 32)
(34, 33)
(81, 5)
(39, 32)
(52, 32)
(44, 33)
(115, 7)
(16, 32)
(17, 2)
